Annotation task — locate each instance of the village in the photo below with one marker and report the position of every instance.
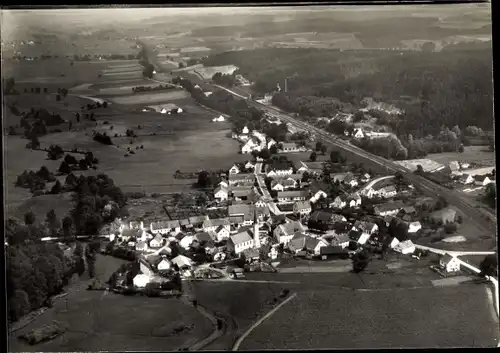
(276, 209)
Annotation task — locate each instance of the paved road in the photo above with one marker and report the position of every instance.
(368, 186)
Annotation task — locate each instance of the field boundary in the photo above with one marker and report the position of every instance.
(261, 320)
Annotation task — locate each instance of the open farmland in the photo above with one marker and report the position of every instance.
(406, 318)
(150, 98)
(427, 164)
(239, 303)
(106, 321)
(472, 154)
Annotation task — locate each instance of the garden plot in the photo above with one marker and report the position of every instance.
(150, 98)
(122, 75)
(119, 83)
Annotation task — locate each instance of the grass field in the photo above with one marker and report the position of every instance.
(475, 154)
(239, 303)
(208, 72)
(149, 98)
(407, 318)
(111, 322)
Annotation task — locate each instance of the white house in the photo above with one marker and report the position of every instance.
(279, 170)
(276, 185)
(141, 246)
(319, 194)
(210, 225)
(388, 191)
(241, 241)
(291, 196)
(251, 145)
(156, 242)
(221, 193)
(164, 227)
(354, 200)
(219, 119)
(358, 133)
(482, 180)
(367, 227)
(222, 232)
(365, 178)
(182, 261)
(223, 183)
(405, 247)
(339, 202)
(141, 280)
(414, 227)
(341, 240)
(245, 130)
(449, 263)
(465, 179)
(250, 165)
(285, 232)
(235, 169)
(270, 143)
(302, 207)
(186, 241)
(290, 147)
(164, 264)
(359, 236)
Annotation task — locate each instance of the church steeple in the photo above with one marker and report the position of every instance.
(256, 235)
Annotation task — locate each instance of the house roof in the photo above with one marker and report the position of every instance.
(408, 209)
(365, 226)
(405, 244)
(219, 229)
(446, 259)
(464, 177)
(244, 191)
(454, 165)
(221, 188)
(311, 243)
(331, 250)
(165, 224)
(339, 239)
(389, 188)
(131, 233)
(289, 145)
(321, 216)
(198, 219)
(158, 238)
(184, 222)
(141, 244)
(204, 236)
(236, 219)
(251, 253)
(341, 198)
(480, 177)
(181, 260)
(291, 227)
(241, 176)
(354, 235)
(339, 176)
(389, 206)
(239, 209)
(302, 205)
(216, 222)
(279, 165)
(298, 242)
(241, 237)
(416, 224)
(293, 193)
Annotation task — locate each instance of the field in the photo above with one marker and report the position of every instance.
(475, 154)
(150, 98)
(427, 164)
(207, 72)
(406, 318)
(238, 303)
(112, 322)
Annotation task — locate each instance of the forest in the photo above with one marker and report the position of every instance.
(452, 87)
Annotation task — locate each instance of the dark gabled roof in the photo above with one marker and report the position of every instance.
(354, 235)
(321, 216)
(331, 250)
(204, 236)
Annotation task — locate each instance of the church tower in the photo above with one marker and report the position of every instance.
(256, 235)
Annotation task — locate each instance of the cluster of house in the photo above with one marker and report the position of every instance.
(257, 141)
(478, 177)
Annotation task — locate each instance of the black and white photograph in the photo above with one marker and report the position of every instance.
(249, 177)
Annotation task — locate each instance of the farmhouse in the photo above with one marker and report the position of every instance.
(164, 265)
(252, 144)
(283, 184)
(454, 166)
(339, 202)
(197, 221)
(219, 119)
(333, 252)
(358, 236)
(388, 191)
(466, 179)
(367, 227)
(222, 232)
(241, 178)
(414, 227)
(164, 227)
(365, 178)
(223, 183)
(186, 241)
(390, 242)
(388, 209)
(290, 147)
(279, 168)
(270, 143)
(354, 200)
(141, 246)
(405, 247)
(242, 193)
(182, 262)
(284, 232)
(322, 220)
(249, 165)
(291, 196)
(211, 225)
(156, 242)
(309, 244)
(235, 169)
(221, 193)
(245, 130)
(449, 264)
(482, 180)
(205, 239)
(302, 207)
(239, 242)
(140, 280)
(341, 241)
(319, 194)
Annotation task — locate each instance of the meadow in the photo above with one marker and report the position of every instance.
(150, 98)
(480, 155)
(113, 322)
(399, 318)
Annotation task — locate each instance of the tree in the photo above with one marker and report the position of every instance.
(29, 218)
(77, 115)
(57, 188)
(64, 168)
(461, 148)
(69, 159)
(323, 150)
(51, 219)
(360, 261)
(335, 156)
(105, 104)
(83, 164)
(450, 228)
(44, 173)
(19, 305)
(35, 143)
(318, 146)
(67, 225)
(420, 169)
(265, 154)
(203, 179)
(305, 177)
(398, 229)
(273, 149)
(313, 156)
(489, 266)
